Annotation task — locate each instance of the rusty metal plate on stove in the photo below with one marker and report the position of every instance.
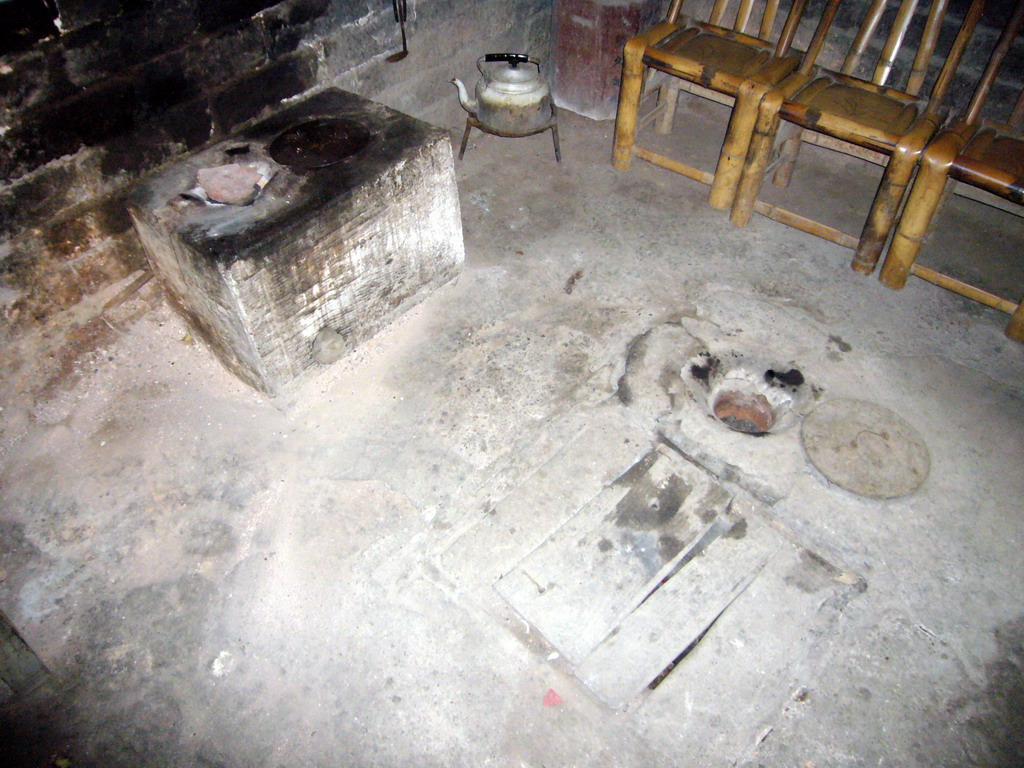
(319, 143)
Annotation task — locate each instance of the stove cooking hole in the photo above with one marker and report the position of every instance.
(744, 411)
(745, 391)
(319, 143)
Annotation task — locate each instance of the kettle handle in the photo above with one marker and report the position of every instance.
(515, 59)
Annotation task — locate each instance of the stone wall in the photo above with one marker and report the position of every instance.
(126, 86)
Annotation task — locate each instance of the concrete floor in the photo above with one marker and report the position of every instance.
(216, 579)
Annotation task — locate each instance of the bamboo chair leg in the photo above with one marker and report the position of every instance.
(882, 215)
(736, 144)
(787, 159)
(629, 104)
(924, 200)
(768, 120)
(889, 197)
(668, 97)
(1015, 328)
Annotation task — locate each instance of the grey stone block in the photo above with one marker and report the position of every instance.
(348, 247)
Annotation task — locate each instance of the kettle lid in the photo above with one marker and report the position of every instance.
(510, 68)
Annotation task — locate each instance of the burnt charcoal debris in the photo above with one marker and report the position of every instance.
(707, 370)
(791, 378)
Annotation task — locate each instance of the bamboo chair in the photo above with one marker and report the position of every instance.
(865, 113)
(983, 153)
(697, 56)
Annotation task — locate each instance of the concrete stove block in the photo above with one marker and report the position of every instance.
(344, 248)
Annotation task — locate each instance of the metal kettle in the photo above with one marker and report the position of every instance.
(511, 99)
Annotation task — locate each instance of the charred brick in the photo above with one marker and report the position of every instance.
(346, 13)
(107, 48)
(54, 130)
(79, 13)
(164, 83)
(303, 11)
(288, 24)
(33, 77)
(67, 238)
(137, 151)
(84, 227)
(42, 194)
(111, 216)
(212, 16)
(189, 124)
(25, 22)
(58, 268)
(219, 59)
(249, 95)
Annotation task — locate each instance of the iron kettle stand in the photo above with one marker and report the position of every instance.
(552, 125)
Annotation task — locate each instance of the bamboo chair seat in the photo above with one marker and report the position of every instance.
(994, 162)
(864, 112)
(715, 57)
(846, 106)
(985, 154)
(706, 54)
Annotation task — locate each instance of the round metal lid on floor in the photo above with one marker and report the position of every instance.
(865, 448)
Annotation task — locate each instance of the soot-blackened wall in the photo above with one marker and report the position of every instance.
(109, 90)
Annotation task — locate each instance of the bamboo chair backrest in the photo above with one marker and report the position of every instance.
(895, 40)
(744, 12)
(995, 62)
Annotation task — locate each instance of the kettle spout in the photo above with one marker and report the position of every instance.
(467, 103)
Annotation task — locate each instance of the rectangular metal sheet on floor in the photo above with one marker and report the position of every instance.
(606, 559)
(758, 660)
(570, 477)
(677, 614)
(639, 573)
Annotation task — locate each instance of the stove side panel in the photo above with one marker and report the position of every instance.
(365, 261)
(198, 292)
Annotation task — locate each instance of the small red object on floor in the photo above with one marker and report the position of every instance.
(552, 699)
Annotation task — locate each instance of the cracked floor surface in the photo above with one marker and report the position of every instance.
(218, 579)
